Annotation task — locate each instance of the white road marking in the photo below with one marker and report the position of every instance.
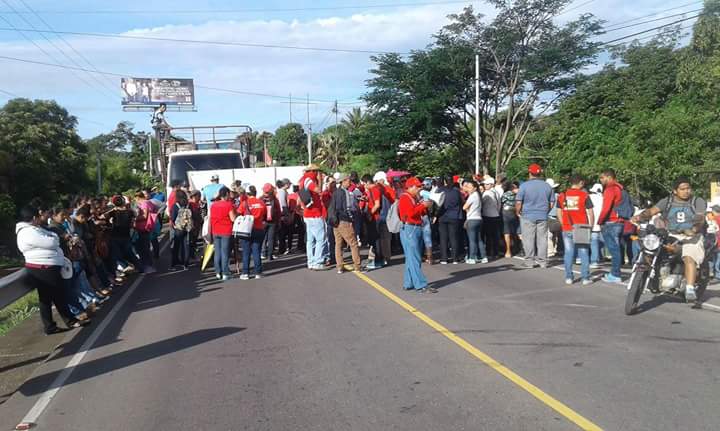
(42, 403)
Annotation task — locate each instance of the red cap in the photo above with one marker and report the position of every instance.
(267, 188)
(456, 178)
(413, 182)
(535, 169)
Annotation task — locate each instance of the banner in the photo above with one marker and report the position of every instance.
(154, 91)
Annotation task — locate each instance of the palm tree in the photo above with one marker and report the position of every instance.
(354, 120)
(328, 151)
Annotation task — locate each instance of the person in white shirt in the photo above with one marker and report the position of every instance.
(492, 221)
(474, 222)
(596, 244)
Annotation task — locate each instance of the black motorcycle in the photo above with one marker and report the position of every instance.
(660, 268)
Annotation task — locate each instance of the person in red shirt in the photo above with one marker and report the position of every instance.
(256, 208)
(611, 224)
(382, 196)
(222, 216)
(575, 211)
(316, 229)
(273, 213)
(411, 210)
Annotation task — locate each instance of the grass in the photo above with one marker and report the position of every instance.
(10, 262)
(15, 313)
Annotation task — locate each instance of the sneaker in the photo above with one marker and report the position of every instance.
(594, 266)
(470, 261)
(587, 282)
(340, 271)
(444, 262)
(226, 278)
(609, 278)
(455, 262)
(690, 294)
(218, 276)
(258, 276)
(484, 260)
(244, 277)
(150, 270)
(371, 265)
(568, 281)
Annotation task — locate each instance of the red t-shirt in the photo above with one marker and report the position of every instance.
(410, 211)
(315, 210)
(574, 204)
(376, 195)
(170, 201)
(257, 209)
(220, 222)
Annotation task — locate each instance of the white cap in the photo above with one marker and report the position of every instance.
(596, 188)
(380, 175)
(488, 180)
(551, 182)
(215, 177)
(336, 175)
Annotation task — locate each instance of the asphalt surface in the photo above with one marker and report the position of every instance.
(321, 351)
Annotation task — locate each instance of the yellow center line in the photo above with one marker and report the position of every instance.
(546, 399)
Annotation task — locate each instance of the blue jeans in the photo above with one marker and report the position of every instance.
(427, 232)
(252, 246)
(315, 242)
(716, 266)
(85, 292)
(475, 241)
(222, 254)
(596, 247)
(583, 252)
(611, 234)
(411, 239)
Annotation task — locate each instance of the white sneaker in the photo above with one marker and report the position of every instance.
(587, 282)
(244, 277)
(226, 278)
(443, 262)
(690, 294)
(595, 266)
(470, 261)
(258, 276)
(484, 260)
(568, 281)
(218, 276)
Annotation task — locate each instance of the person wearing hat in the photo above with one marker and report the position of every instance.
(533, 203)
(491, 216)
(210, 191)
(272, 220)
(316, 231)
(410, 211)
(381, 196)
(555, 245)
(596, 242)
(341, 218)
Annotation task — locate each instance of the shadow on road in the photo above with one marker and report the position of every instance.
(455, 277)
(117, 361)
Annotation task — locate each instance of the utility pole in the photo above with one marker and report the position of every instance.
(309, 133)
(477, 114)
(148, 141)
(290, 104)
(337, 135)
(99, 173)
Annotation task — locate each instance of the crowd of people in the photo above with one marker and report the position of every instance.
(77, 253)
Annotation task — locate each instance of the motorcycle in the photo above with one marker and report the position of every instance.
(660, 269)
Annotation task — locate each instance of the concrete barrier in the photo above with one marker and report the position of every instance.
(14, 287)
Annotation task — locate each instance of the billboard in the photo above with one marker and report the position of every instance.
(154, 91)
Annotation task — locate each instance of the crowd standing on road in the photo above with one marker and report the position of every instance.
(78, 252)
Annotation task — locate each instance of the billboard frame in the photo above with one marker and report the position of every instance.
(152, 88)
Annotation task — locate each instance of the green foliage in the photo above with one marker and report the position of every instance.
(48, 156)
(17, 312)
(289, 145)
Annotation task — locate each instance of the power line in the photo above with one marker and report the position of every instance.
(247, 10)
(662, 33)
(225, 90)
(206, 42)
(653, 20)
(68, 44)
(34, 29)
(575, 7)
(610, 42)
(655, 14)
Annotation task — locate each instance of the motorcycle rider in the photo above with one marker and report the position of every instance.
(684, 216)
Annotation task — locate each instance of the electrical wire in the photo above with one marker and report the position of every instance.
(654, 14)
(206, 42)
(610, 42)
(653, 20)
(662, 33)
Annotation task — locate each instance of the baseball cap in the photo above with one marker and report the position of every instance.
(596, 188)
(535, 169)
(341, 177)
(413, 182)
(380, 175)
(488, 180)
(267, 188)
(214, 177)
(551, 183)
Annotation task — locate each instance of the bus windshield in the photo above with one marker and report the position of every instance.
(181, 164)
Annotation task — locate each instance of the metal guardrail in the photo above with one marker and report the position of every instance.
(14, 287)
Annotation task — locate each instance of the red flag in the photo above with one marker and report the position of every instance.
(266, 157)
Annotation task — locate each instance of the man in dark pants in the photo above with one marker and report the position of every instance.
(43, 260)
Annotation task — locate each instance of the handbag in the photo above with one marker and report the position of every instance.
(66, 271)
(243, 225)
(582, 234)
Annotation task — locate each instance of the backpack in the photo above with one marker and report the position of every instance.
(679, 218)
(394, 224)
(332, 218)
(184, 219)
(305, 197)
(384, 206)
(625, 209)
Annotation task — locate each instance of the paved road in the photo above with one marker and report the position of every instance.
(320, 351)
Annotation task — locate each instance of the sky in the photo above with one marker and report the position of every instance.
(273, 74)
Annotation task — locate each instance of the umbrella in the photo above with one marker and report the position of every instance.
(393, 174)
(209, 251)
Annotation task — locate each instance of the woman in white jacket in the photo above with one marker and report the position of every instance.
(43, 260)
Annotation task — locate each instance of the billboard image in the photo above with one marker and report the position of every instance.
(154, 91)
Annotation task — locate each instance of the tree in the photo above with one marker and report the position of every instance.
(48, 156)
(354, 120)
(121, 157)
(289, 145)
(528, 64)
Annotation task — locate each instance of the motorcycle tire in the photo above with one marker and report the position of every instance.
(635, 291)
(703, 281)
